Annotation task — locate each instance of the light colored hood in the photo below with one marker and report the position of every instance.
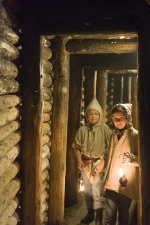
(94, 104)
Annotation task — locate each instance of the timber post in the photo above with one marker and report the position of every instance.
(102, 77)
(144, 115)
(59, 133)
(74, 117)
(31, 155)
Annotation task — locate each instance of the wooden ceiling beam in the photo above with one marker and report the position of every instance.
(93, 46)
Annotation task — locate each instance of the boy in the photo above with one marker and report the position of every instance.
(91, 142)
(122, 155)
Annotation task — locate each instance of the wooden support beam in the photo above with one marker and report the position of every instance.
(144, 115)
(134, 101)
(127, 89)
(102, 91)
(31, 157)
(95, 46)
(59, 131)
(71, 192)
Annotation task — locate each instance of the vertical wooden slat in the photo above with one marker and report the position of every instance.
(88, 86)
(134, 102)
(59, 133)
(144, 115)
(102, 91)
(118, 89)
(127, 90)
(73, 125)
(31, 155)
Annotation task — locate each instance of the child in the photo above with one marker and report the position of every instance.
(90, 143)
(122, 155)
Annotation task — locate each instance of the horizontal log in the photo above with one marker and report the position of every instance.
(46, 117)
(9, 101)
(8, 158)
(122, 72)
(13, 220)
(47, 80)
(8, 69)
(105, 35)
(45, 164)
(8, 86)
(44, 218)
(47, 66)
(45, 186)
(45, 42)
(45, 175)
(8, 34)
(44, 196)
(45, 151)
(9, 128)
(9, 194)
(7, 17)
(44, 206)
(9, 211)
(45, 128)
(46, 106)
(8, 51)
(47, 93)
(101, 46)
(8, 175)
(45, 139)
(8, 115)
(46, 53)
(9, 142)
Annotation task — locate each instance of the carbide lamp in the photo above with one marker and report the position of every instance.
(123, 180)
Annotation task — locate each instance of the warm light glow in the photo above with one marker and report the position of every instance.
(121, 172)
(81, 187)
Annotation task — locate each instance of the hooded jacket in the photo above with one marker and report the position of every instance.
(92, 140)
(127, 143)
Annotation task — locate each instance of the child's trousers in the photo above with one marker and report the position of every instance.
(117, 202)
(93, 193)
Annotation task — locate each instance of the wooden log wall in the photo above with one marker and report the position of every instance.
(47, 93)
(10, 117)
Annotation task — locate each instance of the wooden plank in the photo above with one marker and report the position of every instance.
(59, 131)
(71, 192)
(96, 46)
(134, 101)
(31, 157)
(88, 86)
(118, 89)
(102, 78)
(144, 115)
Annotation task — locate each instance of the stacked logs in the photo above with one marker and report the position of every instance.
(10, 135)
(47, 89)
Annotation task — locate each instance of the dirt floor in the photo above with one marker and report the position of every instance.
(75, 213)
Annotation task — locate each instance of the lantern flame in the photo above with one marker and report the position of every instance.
(121, 172)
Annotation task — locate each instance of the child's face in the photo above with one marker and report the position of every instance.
(119, 119)
(93, 116)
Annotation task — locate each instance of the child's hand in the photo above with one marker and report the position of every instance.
(126, 157)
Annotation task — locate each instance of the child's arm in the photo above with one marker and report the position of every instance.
(79, 160)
